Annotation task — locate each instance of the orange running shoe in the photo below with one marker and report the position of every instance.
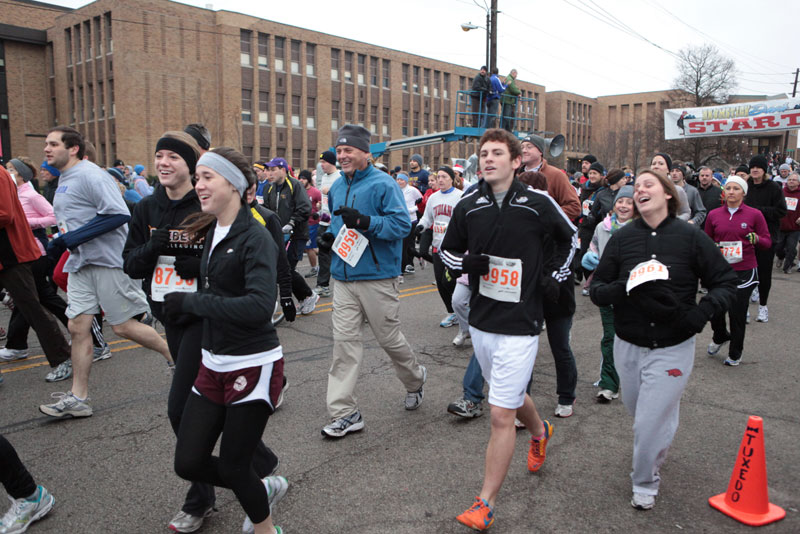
(538, 448)
(480, 515)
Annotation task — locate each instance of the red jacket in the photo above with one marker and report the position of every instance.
(17, 244)
(722, 226)
(789, 221)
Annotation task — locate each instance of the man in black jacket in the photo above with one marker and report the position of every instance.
(480, 92)
(767, 197)
(509, 284)
(710, 193)
(288, 199)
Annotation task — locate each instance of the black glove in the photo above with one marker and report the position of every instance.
(55, 248)
(476, 264)
(289, 310)
(173, 308)
(694, 318)
(159, 239)
(325, 242)
(187, 267)
(352, 218)
(418, 229)
(551, 289)
(655, 301)
(315, 216)
(418, 201)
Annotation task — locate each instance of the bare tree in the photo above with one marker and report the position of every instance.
(705, 78)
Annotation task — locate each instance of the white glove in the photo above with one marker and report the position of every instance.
(288, 229)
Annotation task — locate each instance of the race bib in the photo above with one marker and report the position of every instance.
(647, 271)
(350, 245)
(791, 203)
(260, 199)
(324, 207)
(587, 206)
(439, 229)
(62, 227)
(166, 280)
(504, 280)
(732, 250)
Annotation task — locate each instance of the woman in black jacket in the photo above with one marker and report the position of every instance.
(238, 381)
(656, 318)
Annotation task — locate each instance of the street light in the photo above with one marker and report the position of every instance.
(491, 34)
(467, 26)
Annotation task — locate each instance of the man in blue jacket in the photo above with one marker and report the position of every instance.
(370, 220)
(493, 102)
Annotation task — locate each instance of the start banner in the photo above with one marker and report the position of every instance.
(733, 119)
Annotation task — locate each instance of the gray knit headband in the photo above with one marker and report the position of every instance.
(224, 168)
(22, 169)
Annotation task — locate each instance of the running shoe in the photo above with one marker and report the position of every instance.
(308, 304)
(183, 522)
(585, 291)
(323, 291)
(68, 405)
(8, 302)
(518, 425)
(763, 315)
(276, 490)
(713, 348)
(606, 395)
(465, 408)
(414, 398)
(480, 515)
(754, 296)
(538, 450)
(10, 355)
(60, 372)
(339, 427)
(410, 269)
(564, 410)
(732, 363)
(313, 272)
(641, 501)
(450, 320)
(25, 511)
(747, 318)
(400, 279)
(461, 338)
(101, 353)
(282, 394)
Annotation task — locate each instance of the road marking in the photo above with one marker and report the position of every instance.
(406, 292)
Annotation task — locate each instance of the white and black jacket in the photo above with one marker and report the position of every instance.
(517, 230)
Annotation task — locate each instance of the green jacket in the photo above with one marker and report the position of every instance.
(512, 91)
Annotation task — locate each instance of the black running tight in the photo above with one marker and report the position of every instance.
(241, 427)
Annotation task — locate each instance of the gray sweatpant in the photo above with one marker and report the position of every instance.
(652, 382)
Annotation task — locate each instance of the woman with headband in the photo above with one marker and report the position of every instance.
(238, 380)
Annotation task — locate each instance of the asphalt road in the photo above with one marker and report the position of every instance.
(413, 472)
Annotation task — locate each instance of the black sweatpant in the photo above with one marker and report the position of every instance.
(18, 280)
(425, 241)
(17, 481)
(241, 426)
(184, 345)
(324, 258)
(294, 254)
(409, 250)
(737, 315)
(18, 327)
(765, 259)
(444, 286)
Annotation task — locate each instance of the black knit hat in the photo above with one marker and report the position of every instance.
(759, 161)
(666, 158)
(329, 156)
(355, 136)
(589, 158)
(596, 166)
(614, 176)
(742, 168)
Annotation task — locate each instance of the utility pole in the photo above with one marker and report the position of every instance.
(794, 94)
(492, 23)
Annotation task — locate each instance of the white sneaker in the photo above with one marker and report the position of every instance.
(276, 490)
(461, 339)
(564, 410)
(640, 501)
(308, 304)
(606, 395)
(747, 318)
(713, 348)
(9, 355)
(754, 296)
(763, 314)
(450, 320)
(24, 511)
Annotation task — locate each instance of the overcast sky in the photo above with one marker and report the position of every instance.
(571, 45)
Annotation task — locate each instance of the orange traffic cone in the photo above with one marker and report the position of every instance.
(747, 499)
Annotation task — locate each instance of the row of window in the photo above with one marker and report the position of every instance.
(442, 78)
(88, 100)
(278, 49)
(385, 126)
(426, 123)
(376, 78)
(89, 40)
(579, 112)
(280, 109)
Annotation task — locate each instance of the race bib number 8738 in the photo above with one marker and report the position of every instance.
(166, 280)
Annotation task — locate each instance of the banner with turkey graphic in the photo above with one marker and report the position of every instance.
(733, 119)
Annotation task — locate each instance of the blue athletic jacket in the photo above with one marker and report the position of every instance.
(372, 192)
